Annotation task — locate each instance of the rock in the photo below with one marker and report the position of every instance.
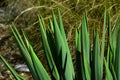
(21, 68)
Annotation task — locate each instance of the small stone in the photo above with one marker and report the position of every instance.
(21, 68)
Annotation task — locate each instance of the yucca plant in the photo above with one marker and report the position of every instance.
(89, 64)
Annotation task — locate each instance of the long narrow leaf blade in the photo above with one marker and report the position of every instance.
(117, 57)
(67, 66)
(48, 52)
(108, 73)
(85, 38)
(113, 39)
(96, 58)
(86, 67)
(24, 50)
(79, 60)
(103, 42)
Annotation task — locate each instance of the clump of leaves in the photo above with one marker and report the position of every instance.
(89, 63)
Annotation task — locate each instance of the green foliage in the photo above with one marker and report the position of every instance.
(38, 72)
(96, 58)
(89, 63)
